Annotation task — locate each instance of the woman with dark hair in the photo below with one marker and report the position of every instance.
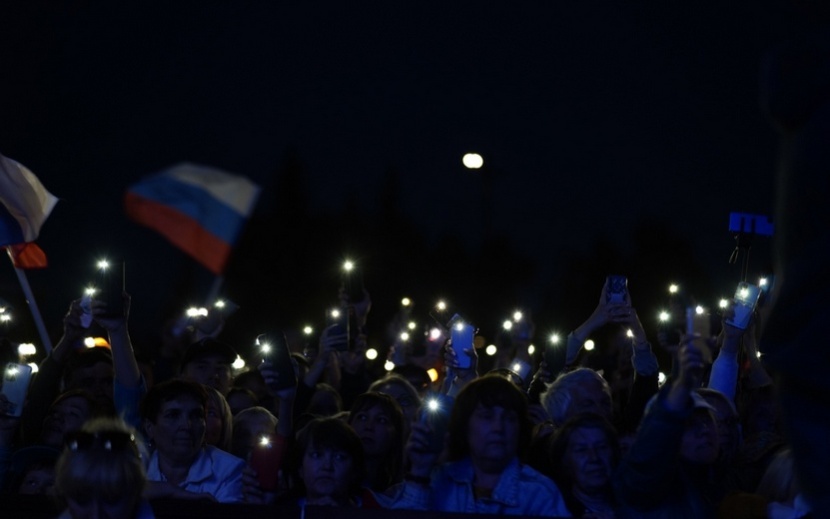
(583, 454)
(377, 420)
(181, 465)
(489, 430)
(326, 465)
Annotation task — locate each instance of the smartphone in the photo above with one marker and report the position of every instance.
(521, 368)
(274, 348)
(743, 303)
(697, 322)
(110, 285)
(16, 379)
(338, 323)
(751, 224)
(462, 335)
(616, 289)
(554, 350)
(353, 282)
(435, 413)
(266, 460)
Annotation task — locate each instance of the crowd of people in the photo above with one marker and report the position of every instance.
(106, 431)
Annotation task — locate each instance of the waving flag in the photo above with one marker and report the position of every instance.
(200, 210)
(24, 206)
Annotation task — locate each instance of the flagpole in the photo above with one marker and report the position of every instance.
(30, 300)
(214, 290)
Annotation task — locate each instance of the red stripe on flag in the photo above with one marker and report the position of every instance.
(27, 256)
(181, 230)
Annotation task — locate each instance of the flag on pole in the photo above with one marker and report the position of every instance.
(200, 210)
(24, 206)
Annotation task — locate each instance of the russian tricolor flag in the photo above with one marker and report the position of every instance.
(24, 206)
(199, 209)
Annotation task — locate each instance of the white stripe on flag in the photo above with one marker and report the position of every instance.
(24, 197)
(235, 191)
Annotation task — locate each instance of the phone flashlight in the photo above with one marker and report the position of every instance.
(723, 303)
(406, 301)
(554, 338)
(517, 316)
(404, 336)
(103, 264)
(673, 288)
(265, 441)
(219, 304)
(441, 305)
(433, 405)
(507, 325)
(348, 265)
(411, 325)
(664, 316)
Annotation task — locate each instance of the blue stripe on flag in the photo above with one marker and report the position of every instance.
(10, 233)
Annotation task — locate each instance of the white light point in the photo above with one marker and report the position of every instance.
(433, 404)
(661, 378)
(744, 292)
(531, 349)
(589, 345)
(490, 350)
(406, 301)
(89, 342)
(673, 288)
(335, 313)
(26, 348)
(629, 333)
(219, 304)
(517, 316)
(389, 366)
(264, 441)
(239, 363)
(699, 310)
(103, 264)
(723, 303)
(664, 316)
(507, 325)
(371, 354)
(763, 282)
(441, 306)
(435, 334)
(404, 336)
(348, 266)
(5, 318)
(472, 161)
(554, 338)
(308, 330)
(412, 325)
(34, 367)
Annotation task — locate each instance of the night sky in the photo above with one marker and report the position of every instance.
(592, 118)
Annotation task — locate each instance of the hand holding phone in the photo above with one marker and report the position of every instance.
(274, 350)
(435, 413)
(266, 460)
(110, 288)
(743, 305)
(462, 337)
(16, 378)
(616, 290)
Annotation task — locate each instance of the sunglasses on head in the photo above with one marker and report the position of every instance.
(104, 440)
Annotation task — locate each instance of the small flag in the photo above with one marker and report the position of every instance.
(200, 210)
(24, 203)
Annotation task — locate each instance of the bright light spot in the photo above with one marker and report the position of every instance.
(5, 318)
(371, 354)
(406, 301)
(699, 310)
(12, 370)
(89, 342)
(554, 338)
(26, 349)
(673, 288)
(723, 303)
(744, 292)
(531, 349)
(490, 350)
(629, 333)
(664, 316)
(758, 354)
(433, 404)
(517, 316)
(517, 367)
(103, 264)
(2, 309)
(265, 348)
(90, 291)
(239, 363)
(435, 334)
(335, 313)
(404, 336)
(589, 345)
(441, 305)
(411, 325)
(661, 378)
(472, 160)
(34, 367)
(348, 266)
(763, 282)
(389, 366)
(194, 311)
(507, 325)
(433, 374)
(264, 441)
(308, 330)
(459, 326)
(219, 304)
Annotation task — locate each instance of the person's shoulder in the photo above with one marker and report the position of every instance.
(529, 475)
(222, 459)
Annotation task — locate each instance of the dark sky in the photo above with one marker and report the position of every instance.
(591, 116)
